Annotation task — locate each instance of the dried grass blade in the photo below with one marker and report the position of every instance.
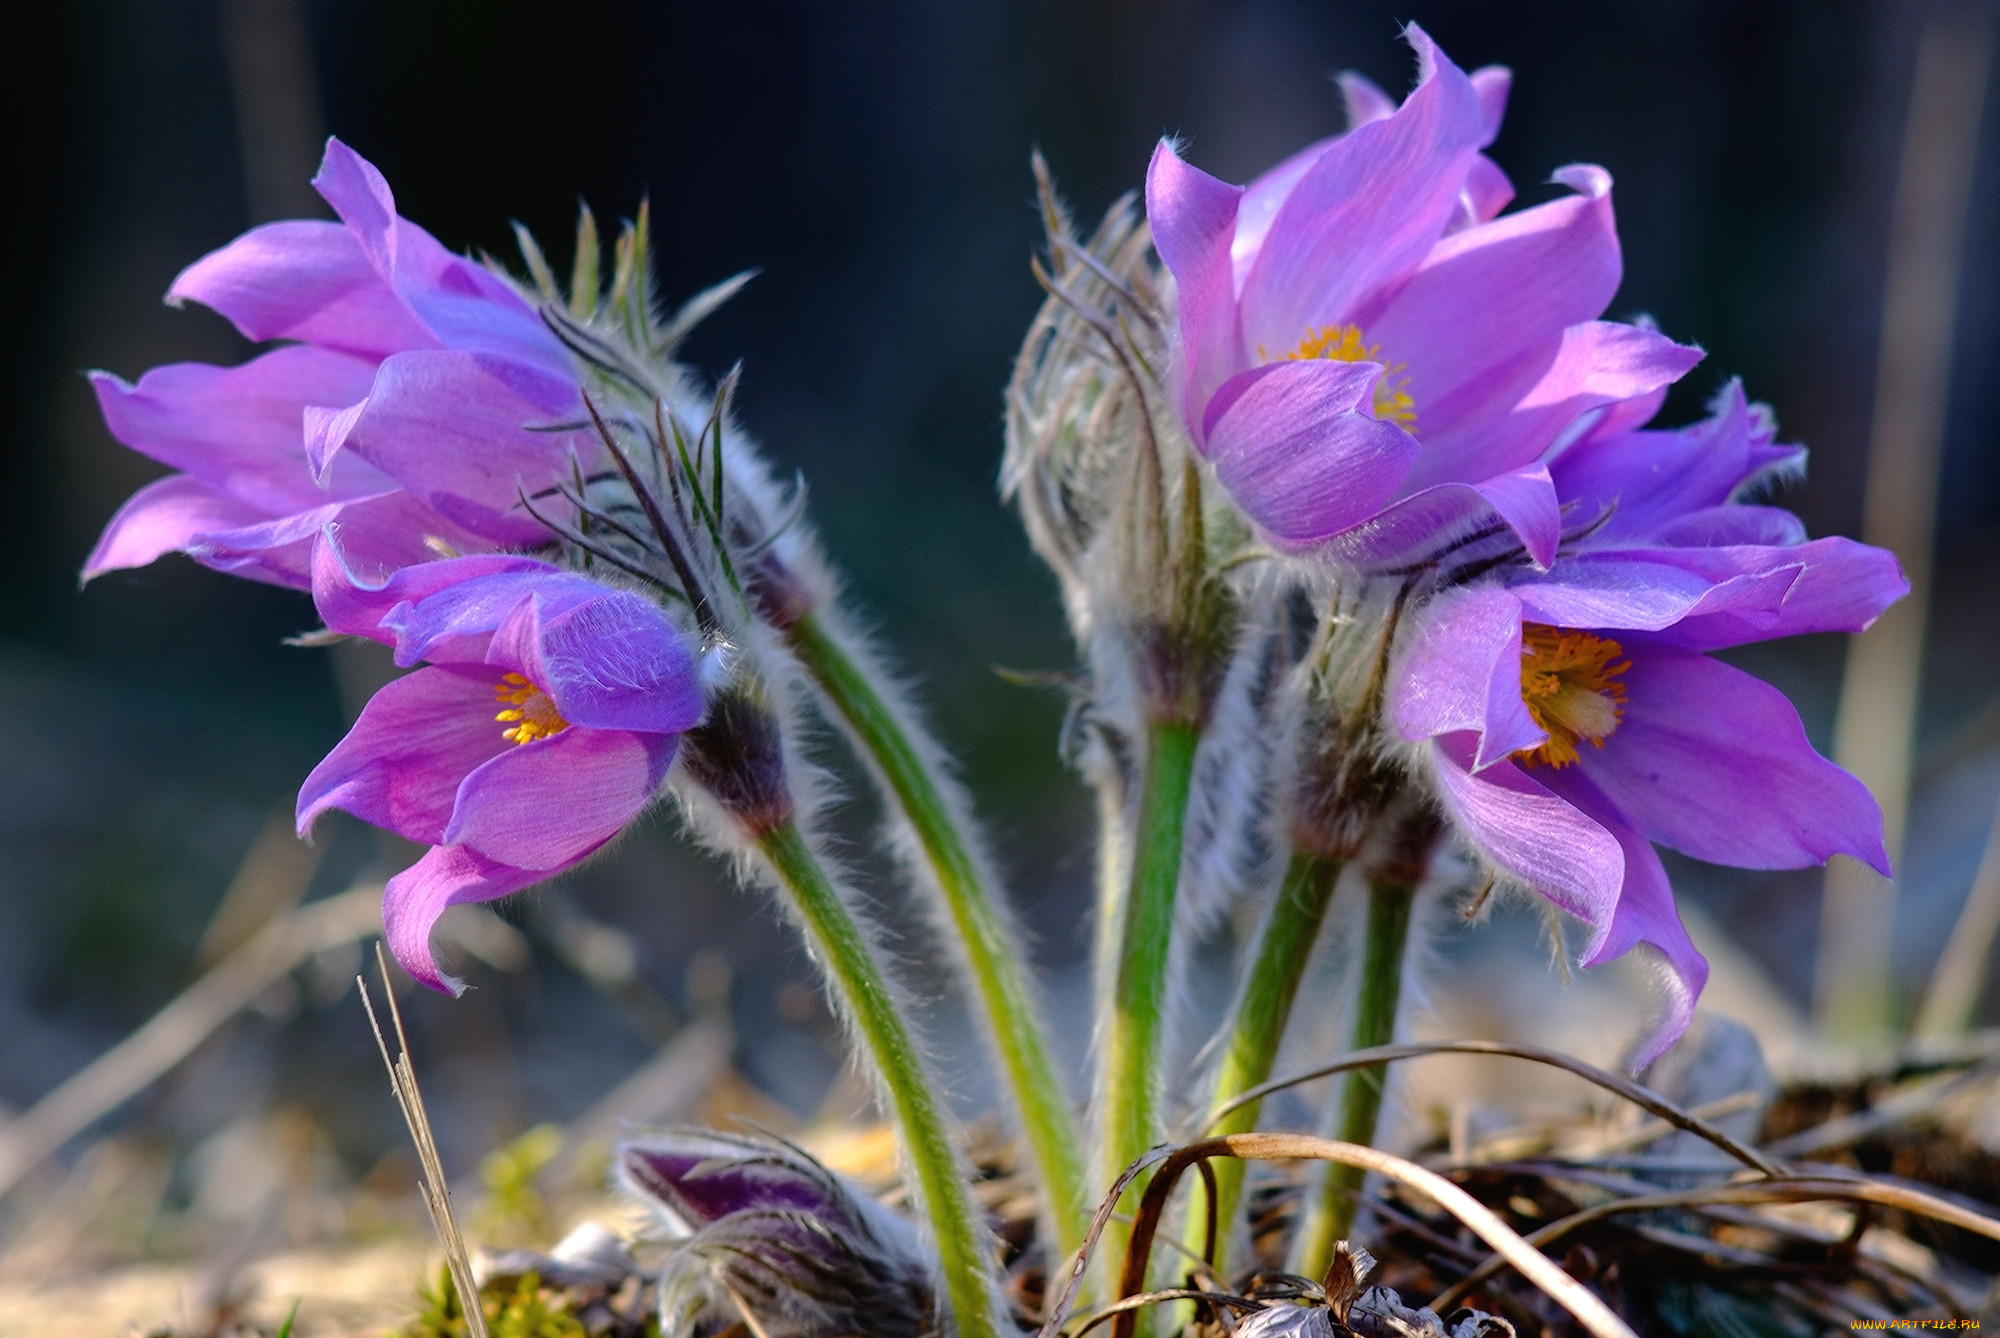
(1768, 1191)
(1589, 1310)
(436, 1191)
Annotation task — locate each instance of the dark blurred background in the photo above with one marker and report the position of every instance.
(872, 161)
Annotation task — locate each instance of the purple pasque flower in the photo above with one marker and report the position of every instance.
(404, 406)
(1360, 332)
(543, 721)
(797, 1242)
(1572, 717)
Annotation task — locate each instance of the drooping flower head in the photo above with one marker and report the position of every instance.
(412, 399)
(1362, 339)
(799, 1243)
(1572, 717)
(544, 719)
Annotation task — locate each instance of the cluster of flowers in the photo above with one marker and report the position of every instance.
(1360, 526)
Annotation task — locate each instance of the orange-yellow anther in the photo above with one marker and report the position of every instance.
(531, 712)
(1342, 343)
(1572, 688)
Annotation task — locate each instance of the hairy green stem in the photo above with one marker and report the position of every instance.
(1129, 1059)
(1269, 989)
(1331, 1202)
(843, 949)
(1012, 1016)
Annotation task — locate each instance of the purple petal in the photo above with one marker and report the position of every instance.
(1733, 525)
(702, 1177)
(447, 876)
(1631, 591)
(224, 534)
(165, 517)
(1841, 586)
(1646, 916)
(416, 740)
(303, 280)
(1261, 198)
(1715, 763)
(1526, 501)
(418, 607)
(1193, 217)
(604, 778)
(1364, 215)
(1292, 445)
(1531, 834)
(1364, 99)
(1485, 319)
(1655, 478)
(463, 304)
(1427, 525)
(460, 431)
(1461, 674)
(1491, 83)
(239, 428)
(1487, 191)
(610, 661)
(1600, 362)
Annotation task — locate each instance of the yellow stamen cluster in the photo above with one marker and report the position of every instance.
(531, 711)
(1342, 343)
(1572, 688)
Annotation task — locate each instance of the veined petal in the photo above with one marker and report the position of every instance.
(611, 661)
(1653, 479)
(1531, 834)
(1433, 522)
(547, 804)
(1715, 763)
(1461, 674)
(419, 607)
(1842, 586)
(239, 428)
(460, 430)
(305, 280)
(446, 876)
(1733, 525)
(1632, 591)
(1193, 217)
(1295, 449)
(1366, 212)
(1484, 320)
(1599, 362)
(1646, 916)
(416, 740)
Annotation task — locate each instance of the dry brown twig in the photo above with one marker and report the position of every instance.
(434, 1188)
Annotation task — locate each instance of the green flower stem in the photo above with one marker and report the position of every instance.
(1011, 1013)
(842, 948)
(1331, 1203)
(1271, 986)
(1129, 1059)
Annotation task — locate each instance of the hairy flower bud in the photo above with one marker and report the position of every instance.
(761, 1224)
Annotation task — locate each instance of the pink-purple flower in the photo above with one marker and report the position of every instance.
(543, 722)
(1363, 340)
(1572, 716)
(407, 403)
